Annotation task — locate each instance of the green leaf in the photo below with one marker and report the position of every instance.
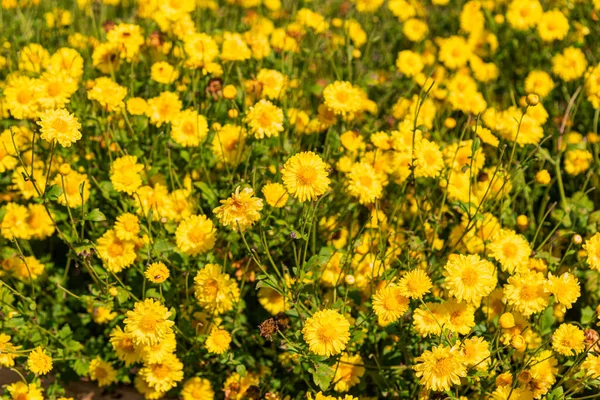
(207, 192)
(164, 246)
(80, 367)
(53, 192)
(65, 332)
(152, 293)
(241, 369)
(587, 315)
(95, 215)
(548, 320)
(323, 375)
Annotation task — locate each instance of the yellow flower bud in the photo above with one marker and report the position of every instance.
(533, 99)
(64, 169)
(507, 320)
(229, 92)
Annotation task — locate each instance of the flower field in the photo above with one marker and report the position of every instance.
(295, 199)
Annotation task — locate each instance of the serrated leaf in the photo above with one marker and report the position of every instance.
(80, 367)
(323, 375)
(53, 192)
(95, 215)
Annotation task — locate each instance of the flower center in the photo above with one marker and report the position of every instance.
(509, 250)
(101, 373)
(24, 96)
(264, 120)
(325, 334)
(469, 277)
(54, 89)
(161, 371)
(60, 125)
(307, 175)
(444, 366)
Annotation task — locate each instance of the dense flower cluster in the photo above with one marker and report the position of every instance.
(277, 199)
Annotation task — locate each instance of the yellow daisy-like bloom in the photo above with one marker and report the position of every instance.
(22, 391)
(476, 353)
(409, 63)
(14, 223)
(348, 372)
(123, 344)
(71, 185)
(143, 388)
(553, 26)
(577, 161)
(7, 351)
(241, 210)
(153, 354)
(455, 52)
(127, 226)
(163, 376)
(592, 247)
(116, 254)
(564, 288)
(189, 128)
(461, 316)
(415, 284)
(197, 389)
(200, 49)
(21, 94)
(305, 176)
(218, 341)
(102, 372)
(148, 322)
(364, 183)
(524, 14)
(273, 83)
(275, 194)
(440, 368)
(525, 292)
(568, 340)
(539, 82)
(163, 72)
(487, 136)
(124, 174)
(137, 106)
(429, 160)
(39, 222)
(215, 290)
(39, 362)
(429, 319)
(591, 366)
(343, 98)
(228, 143)
(389, 304)
(195, 235)
(273, 301)
(264, 119)
(163, 108)
(510, 249)
(234, 48)
(237, 385)
(60, 125)
(157, 272)
(327, 332)
(469, 278)
(108, 93)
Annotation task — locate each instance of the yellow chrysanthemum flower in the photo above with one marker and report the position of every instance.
(218, 341)
(305, 176)
(148, 322)
(440, 368)
(60, 125)
(327, 333)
